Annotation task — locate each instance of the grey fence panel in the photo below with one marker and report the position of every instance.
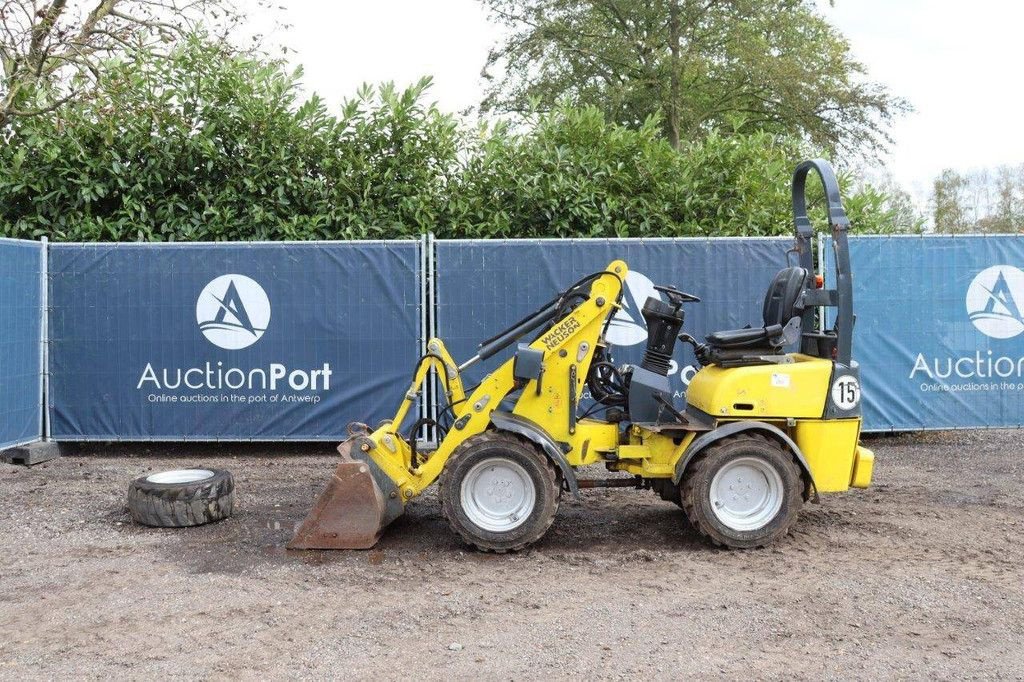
(485, 286)
(262, 341)
(22, 265)
(940, 330)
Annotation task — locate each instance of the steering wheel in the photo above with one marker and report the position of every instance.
(675, 296)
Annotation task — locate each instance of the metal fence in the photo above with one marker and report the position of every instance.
(275, 341)
(485, 285)
(940, 330)
(251, 341)
(22, 286)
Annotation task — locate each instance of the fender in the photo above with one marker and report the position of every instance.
(731, 429)
(506, 421)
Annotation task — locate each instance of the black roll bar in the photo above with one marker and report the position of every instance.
(839, 224)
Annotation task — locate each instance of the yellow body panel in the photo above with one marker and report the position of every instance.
(653, 455)
(783, 391)
(863, 465)
(592, 438)
(829, 445)
(791, 396)
(568, 344)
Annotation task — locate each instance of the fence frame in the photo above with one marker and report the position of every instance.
(935, 236)
(427, 299)
(225, 244)
(44, 261)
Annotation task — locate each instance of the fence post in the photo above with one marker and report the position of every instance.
(430, 301)
(44, 338)
(426, 397)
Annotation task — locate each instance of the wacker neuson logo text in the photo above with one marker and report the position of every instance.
(993, 305)
(232, 313)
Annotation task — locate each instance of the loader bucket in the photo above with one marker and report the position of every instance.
(355, 507)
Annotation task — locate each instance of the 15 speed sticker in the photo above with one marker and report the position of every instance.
(846, 392)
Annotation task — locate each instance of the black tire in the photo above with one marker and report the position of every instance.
(666, 490)
(540, 470)
(696, 490)
(179, 505)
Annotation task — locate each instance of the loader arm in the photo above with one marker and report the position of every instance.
(569, 343)
(380, 469)
(439, 359)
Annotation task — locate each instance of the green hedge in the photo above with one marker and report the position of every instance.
(210, 145)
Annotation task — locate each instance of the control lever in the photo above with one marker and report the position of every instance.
(699, 349)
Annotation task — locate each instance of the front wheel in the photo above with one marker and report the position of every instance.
(499, 493)
(744, 491)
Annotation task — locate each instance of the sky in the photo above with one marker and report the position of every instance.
(956, 62)
(958, 65)
(344, 43)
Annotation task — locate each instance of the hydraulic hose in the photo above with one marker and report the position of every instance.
(550, 311)
(522, 328)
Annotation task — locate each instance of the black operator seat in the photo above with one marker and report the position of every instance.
(780, 309)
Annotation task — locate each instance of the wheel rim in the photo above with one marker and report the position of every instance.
(180, 476)
(746, 493)
(498, 495)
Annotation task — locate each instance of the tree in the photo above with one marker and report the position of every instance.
(950, 203)
(981, 200)
(1006, 210)
(52, 51)
(773, 65)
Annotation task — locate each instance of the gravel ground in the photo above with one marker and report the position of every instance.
(919, 577)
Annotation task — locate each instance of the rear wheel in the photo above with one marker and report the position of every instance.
(498, 492)
(744, 491)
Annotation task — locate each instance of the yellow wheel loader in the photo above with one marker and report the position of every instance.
(763, 430)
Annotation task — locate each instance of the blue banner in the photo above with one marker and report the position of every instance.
(21, 401)
(940, 330)
(485, 286)
(293, 341)
(230, 341)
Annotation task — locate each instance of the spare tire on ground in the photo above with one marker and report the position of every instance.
(182, 497)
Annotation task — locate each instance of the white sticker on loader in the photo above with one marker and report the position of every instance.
(780, 380)
(846, 392)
